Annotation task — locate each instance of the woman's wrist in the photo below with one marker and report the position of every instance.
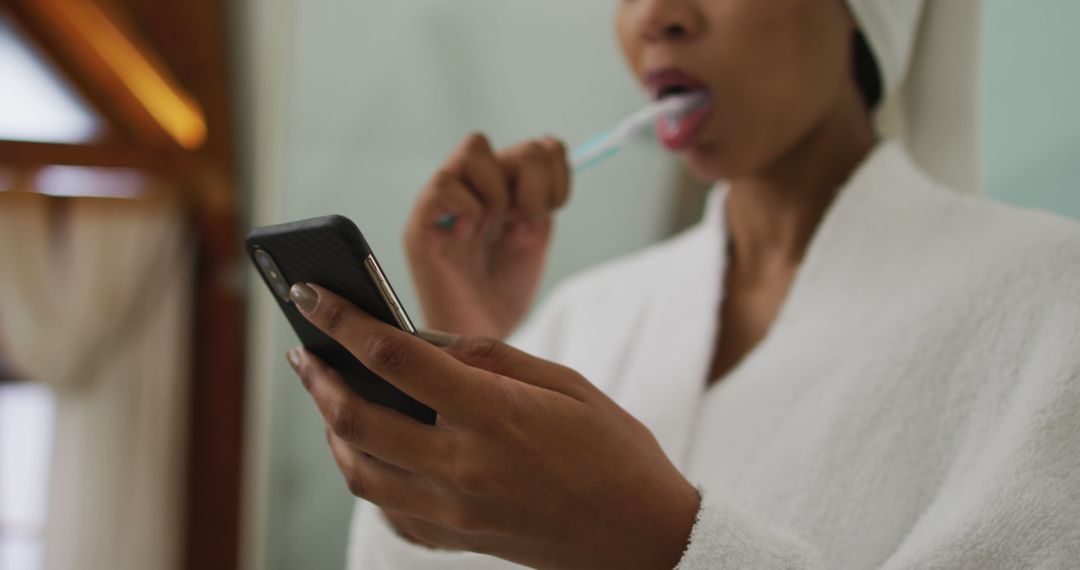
(662, 537)
(676, 538)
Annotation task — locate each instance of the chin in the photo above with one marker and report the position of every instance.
(717, 160)
(707, 164)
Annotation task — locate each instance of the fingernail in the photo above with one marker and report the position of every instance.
(304, 296)
(437, 338)
(293, 356)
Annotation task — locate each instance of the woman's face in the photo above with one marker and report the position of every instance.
(774, 70)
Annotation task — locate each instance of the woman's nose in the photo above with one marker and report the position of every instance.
(668, 20)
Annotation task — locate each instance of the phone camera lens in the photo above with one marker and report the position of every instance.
(270, 271)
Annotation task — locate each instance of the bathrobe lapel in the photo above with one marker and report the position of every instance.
(667, 367)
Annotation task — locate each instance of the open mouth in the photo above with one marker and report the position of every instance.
(677, 131)
(669, 81)
(674, 90)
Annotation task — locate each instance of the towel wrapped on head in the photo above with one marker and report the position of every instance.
(927, 53)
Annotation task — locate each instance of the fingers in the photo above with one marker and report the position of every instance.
(524, 182)
(380, 431)
(383, 484)
(560, 157)
(498, 357)
(411, 528)
(531, 174)
(409, 363)
(477, 167)
(425, 532)
(539, 174)
(452, 197)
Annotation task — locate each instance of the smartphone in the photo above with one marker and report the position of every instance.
(330, 251)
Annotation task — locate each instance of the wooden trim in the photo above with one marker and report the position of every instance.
(117, 155)
(193, 38)
(217, 399)
(119, 66)
(116, 124)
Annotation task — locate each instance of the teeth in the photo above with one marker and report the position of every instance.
(683, 106)
(693, 103)
(665, 113)
(673, 122)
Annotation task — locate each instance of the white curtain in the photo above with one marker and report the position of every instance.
(95, 301)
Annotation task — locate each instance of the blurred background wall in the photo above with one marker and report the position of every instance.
(1031, 90)
(351, 105)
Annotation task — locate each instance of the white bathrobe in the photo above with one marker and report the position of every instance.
(916, 403)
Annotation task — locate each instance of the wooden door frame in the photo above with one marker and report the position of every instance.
(208, 177)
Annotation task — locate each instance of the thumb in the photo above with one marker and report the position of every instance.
(495, 356)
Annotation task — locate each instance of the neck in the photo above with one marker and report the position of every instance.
(772, 215)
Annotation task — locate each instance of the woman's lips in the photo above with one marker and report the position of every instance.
(677, 132)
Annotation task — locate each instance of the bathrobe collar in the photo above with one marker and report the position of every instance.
(667, 371)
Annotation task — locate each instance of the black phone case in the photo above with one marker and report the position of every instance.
(330, 251)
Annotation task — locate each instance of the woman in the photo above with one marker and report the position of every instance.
(855, 367)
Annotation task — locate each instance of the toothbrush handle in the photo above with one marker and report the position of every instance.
(593, 152)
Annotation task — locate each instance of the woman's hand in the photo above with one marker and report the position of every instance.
(528, 461)
(478, 235)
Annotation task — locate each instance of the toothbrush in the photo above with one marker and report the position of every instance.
(637, 126)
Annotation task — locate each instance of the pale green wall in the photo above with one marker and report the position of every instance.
(1031, 103)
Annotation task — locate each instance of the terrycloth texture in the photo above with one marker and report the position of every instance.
(726, 537)
(915, 405)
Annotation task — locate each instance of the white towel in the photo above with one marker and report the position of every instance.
(929, 54)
